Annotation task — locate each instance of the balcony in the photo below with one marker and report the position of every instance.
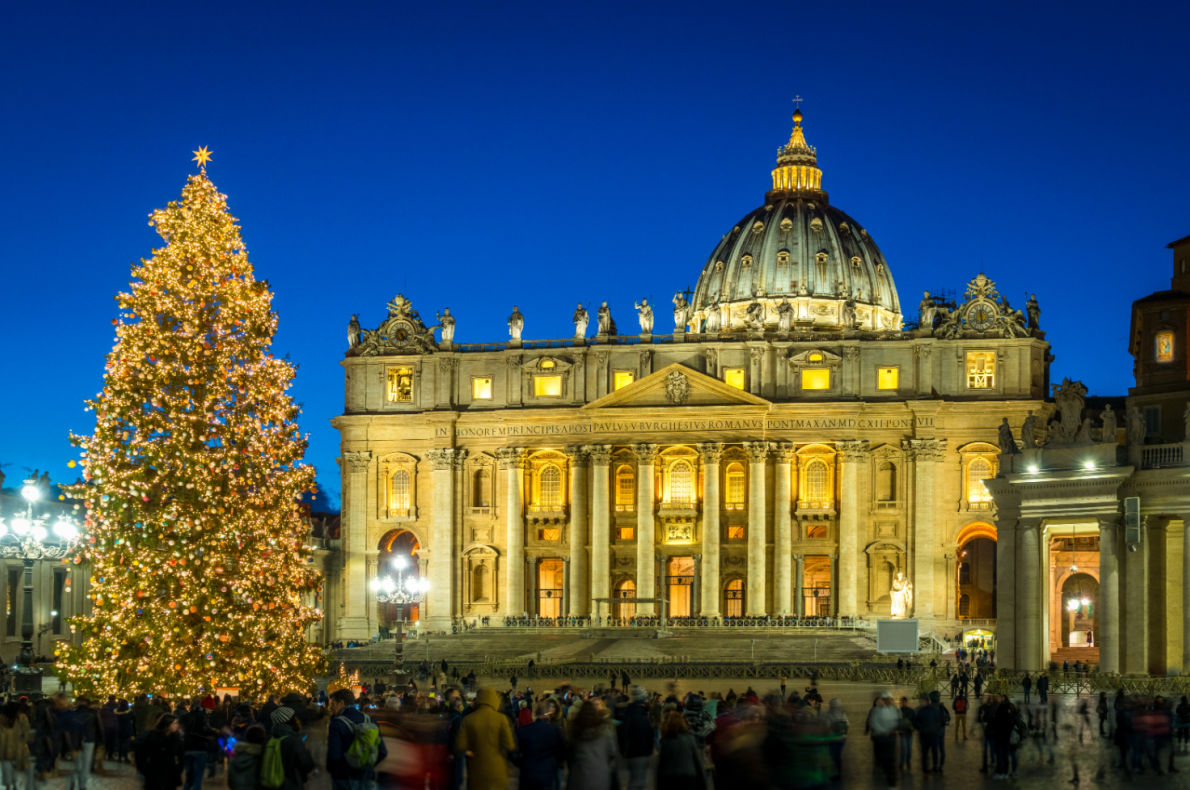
(1160, 456)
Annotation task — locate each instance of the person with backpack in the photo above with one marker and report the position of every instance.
(286, 762)
(960, 716)
(243, 769)
(353, 744)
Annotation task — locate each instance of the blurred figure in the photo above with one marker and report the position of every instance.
(592, 748)
(883, 721)
(679, 762)
(541, 750)
(636, 738)
(485, 737)
(906, 729)
(837, 725)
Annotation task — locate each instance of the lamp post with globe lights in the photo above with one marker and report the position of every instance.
(403, 591)
(27, 537)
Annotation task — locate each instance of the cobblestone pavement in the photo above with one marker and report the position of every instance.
(1092, 756)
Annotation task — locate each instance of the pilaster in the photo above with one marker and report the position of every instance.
(854, 454)
(578, 586)
(1108, 637)
(926, 455)
(356, 600)
(439, 600)
(756, 599)
(512, 464)
(646, 456)
(782, 531)
(600, 456)
(711, 453)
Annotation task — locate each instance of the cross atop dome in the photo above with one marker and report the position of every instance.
(797, 162)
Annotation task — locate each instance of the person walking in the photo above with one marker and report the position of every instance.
(541, 750)
(1043, 687)
(14, 745)
(196, 740)
(883, 721)
(88, 732)
(351, 766)
(960, 716)
(930, 733)
(679, 760)
(159, 755)
(485, 737)
(837, 725)
(592, 756)
(636, 738)
(1027, 685)
(296, 760)
(906, 728)
(1102, 708)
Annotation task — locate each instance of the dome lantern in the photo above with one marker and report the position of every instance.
(797, 171)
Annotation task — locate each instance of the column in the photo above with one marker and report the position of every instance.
(782, 532)
(600, 456)
(696, 588)
(1029, 634)
(927, 453)
(854, 454)
(646, 455)
(711, 453)
(799, 590)
(357, 599)
(1134, 644)
(443, 462)
(1108, 637)
(1006, 589)
(577, 604)
(512, 465)
(757, 530)
(1185, 593)
(834, 585)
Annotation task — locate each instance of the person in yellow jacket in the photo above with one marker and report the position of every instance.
(485, 737)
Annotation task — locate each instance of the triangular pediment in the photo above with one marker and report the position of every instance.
(677, 385)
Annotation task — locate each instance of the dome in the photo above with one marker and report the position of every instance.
(796, 255)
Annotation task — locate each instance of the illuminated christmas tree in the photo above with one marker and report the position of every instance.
(200, 569)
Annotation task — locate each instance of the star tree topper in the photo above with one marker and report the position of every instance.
(202, 156)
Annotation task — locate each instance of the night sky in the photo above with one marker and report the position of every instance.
(478, 156)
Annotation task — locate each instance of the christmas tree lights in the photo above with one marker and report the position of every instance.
(196, 539)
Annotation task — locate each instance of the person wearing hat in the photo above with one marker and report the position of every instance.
(295, 757)
(485, 737)
(883, 720)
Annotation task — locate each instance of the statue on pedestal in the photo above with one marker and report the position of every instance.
(1109, 425)
(353, 331)
(754, 317)
(1005, 440)
(847, 314)
(581, 318)
(926, 312)
(516, 324)
(447, 322)
(605, 325)
(1136, 427)
(784, 316)
(1029, 431)
(1034, 311)
(714, 317)
(644, 315)
(902, 596)
(681, 312)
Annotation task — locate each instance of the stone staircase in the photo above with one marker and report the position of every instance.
(1087, 655)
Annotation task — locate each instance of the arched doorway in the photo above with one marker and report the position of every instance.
(1080, 611)
(625, 609)
(550, 580)
(975, 572)
(733, 598)
(399, 548)
(679, 579)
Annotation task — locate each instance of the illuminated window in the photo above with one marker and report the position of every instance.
(547, 386)
(625, 488)
(400, 385)
(549, 488)
(549, 534)
(734, 377)
(400, 497)
(977, 471)
(627, 608)
(681, 483)
(481, 388)
(816, 531)
(1164, 341)
(735, 532)
(815, 357)
(736, 487)
(817, 476)
(981, 370)
(733, 598)
(625, 533)
(887, 378)
(622, 378)
(547, 364)
(816, 379)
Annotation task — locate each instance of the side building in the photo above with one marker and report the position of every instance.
(789, 448)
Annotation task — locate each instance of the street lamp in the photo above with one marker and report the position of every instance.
(26, 537)
(402, 591)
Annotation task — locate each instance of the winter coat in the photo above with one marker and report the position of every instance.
(592, 756)
(487, 735)
(930, 719)
(295, 757)
(159, 760)
(541, 748)
(635, 731)
(197, 731)
(243, 768)
(338, 740)
(679, 757)
(14, 742)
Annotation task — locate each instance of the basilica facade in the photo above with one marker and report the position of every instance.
(789, 447)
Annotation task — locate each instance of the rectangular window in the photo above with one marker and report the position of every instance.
(887, 378)
(735, 532)
(625, 533)
(981, 370)
(1152, 420)
(622, 378)
(816, 379)
(735, 378)
(1164, 351)
(551, 534)
(547, 386)
(400, 385)
(481, 388)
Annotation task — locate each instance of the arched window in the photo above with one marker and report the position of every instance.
(817, 476)
(736, 487)
(977, 471)
(733, 598)
(886, 482)
(480, 590)
(549, 495)
(681, 483)
(480, 486)
(625, 488)
(400, 498)
(625, 589)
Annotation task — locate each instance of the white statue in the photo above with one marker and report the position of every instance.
(1029, 431)
(353, 331)
(926, 311)
(714, 317)
(581, 318)
(902, 596)
(681, 312)
(447, 322)
(847, 314)
(754, 315)
(784, 316)
(644, 314)
(516, 324)
(1109, 425)
(606, 326)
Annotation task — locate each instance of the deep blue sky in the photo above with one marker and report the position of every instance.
(477, 155)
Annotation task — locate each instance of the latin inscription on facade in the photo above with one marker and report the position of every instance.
(691, 425)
